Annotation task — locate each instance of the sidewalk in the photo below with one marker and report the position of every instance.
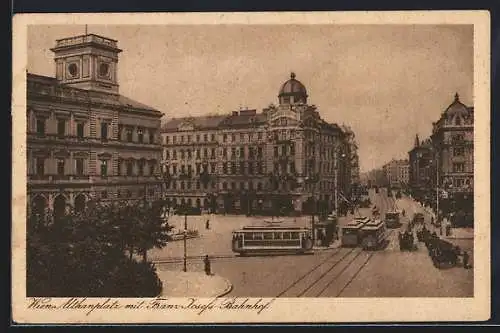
(193, 284)
(461, 233)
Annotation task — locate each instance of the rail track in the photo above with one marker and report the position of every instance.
(332, 276)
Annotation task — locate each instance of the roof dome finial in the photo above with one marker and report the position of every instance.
(292, 75)
(457, 98)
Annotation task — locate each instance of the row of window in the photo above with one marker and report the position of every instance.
(458, 151)
(41, 128)
(241, 137)
(458, 167)
(205, 138)
(105, 131)
(227, 168)
(135, 168)
(128, 134)
(77, 170)
(78, 167)
(189, 185)
(206, 153)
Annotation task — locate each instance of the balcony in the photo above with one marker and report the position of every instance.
(53, 137)
(58, 179)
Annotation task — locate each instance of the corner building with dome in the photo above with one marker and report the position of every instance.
(453, 142)
(84, 139)
(284, 159)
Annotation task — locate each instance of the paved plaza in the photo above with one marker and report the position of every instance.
(334, 272)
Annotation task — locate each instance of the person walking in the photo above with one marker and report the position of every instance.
(466, 260)
(208, 269)
(207, 224)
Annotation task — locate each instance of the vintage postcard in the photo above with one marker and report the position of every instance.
(251, 167)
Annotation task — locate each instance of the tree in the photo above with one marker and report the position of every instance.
(83, 254)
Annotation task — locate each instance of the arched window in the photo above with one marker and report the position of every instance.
(458, 121)
(39, 204)
(59, 206)
(80, 203)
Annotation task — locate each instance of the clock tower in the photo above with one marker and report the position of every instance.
(87, 62)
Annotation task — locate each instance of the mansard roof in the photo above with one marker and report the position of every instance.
(49, 87)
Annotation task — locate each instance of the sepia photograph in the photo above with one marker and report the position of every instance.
(241, 167)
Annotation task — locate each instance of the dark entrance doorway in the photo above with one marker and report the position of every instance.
(39, 205)
(80, 203)
(59, 206)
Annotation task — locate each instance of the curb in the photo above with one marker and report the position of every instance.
(227, 290)
(459, 238)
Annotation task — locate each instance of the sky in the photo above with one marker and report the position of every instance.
(387, 82)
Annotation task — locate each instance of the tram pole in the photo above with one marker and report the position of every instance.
(185, 239)
(437, 187)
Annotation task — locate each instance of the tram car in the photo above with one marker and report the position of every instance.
(374, 234)
(272, 237)
(351, 232)
(392, 219)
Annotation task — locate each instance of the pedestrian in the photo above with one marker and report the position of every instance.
(208, 269)
(207, 224)
(466, 260)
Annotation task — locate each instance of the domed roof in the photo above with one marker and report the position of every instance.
(457, 107)
(292, 87)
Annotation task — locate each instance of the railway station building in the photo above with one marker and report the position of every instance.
(84, 139)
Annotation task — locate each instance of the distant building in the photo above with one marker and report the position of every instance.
(283, 158)
(84, 139)
(397, 173)
(422, 174)
(453, 141)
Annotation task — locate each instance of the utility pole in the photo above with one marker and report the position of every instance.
(185, 239)
(437, 187)
(336, 187)
(312, 212)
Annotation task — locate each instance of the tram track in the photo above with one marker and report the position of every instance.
(336, 278)
(300, 290)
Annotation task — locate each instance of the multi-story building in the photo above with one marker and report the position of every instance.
(284, 157)
(84, 139)
(453, 141)
(422, 162)
(397, 173)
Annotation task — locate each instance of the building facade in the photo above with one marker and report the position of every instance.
(284, 158)
(397, 173)
(422, 162)
(453, 141)
(84, 139)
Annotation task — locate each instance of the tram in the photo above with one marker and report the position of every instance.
(272, 237)
(373, 235)
(351, 232)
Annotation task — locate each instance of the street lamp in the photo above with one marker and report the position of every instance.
(336, 167)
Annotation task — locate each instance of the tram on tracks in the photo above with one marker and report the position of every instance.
(373, 235)
(351, 232)
(272, 237)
